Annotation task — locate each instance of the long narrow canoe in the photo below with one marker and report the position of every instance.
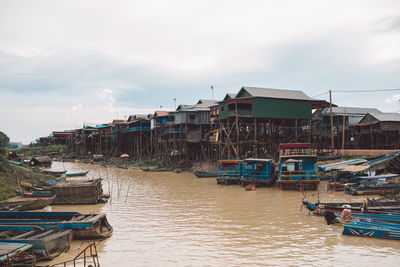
(26, 204)
(47, 244)
(73, 174)
(54, 173)
(372, 229)
(35, 194)
(205, 174)
(18, 163)
(334, 218)
(83, 226)
(372, 206)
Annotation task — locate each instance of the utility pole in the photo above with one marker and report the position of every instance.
(212, 91)
(175, 102)
(344, 126)
(330, 106)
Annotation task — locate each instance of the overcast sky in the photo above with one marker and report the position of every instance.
(63, 63)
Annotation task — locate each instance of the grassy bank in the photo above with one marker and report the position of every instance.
(9, 175)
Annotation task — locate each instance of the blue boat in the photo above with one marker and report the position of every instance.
(47, 244)
(372, 229)
(83, 226)
(35, 194)
(14, 253)
(54, 181)
(373, 185)
(230, 171)
(258, 172)
(73, 174)
(298, 167)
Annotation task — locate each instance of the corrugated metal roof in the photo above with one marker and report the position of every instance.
(351, 110)
(277, 93)
(161, 113)
(386, 116)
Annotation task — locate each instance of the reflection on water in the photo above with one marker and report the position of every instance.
(170, 219)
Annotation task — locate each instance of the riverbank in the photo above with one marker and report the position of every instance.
(10, 174)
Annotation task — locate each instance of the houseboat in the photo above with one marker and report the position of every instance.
(258, 172)
(230, 171)
(298, 167)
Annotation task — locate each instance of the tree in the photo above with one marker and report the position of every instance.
(4, 140)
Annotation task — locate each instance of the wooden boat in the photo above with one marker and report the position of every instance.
(34, 194)
(229, 171)
(26, 205)
(77, 192)
(334, 217)
(54, 173)
(83, 226)
(74, 174)
(372, 229)
(258, 172)
(47, 244)
(205, 174)
(298, 167)
(370, 206)
(11, 254)
(373, 185)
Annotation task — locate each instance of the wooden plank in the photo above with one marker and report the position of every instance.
(23, 235)
(41, 234)
(6, 248)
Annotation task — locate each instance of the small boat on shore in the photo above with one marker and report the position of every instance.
(75, 174)
(54, 173)
(205, 174)
(26, 204)
(18, 163)
(83, 226)
(47, 244)
(34, 194)
(372, 229)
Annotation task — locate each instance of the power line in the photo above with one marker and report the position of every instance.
(321, 94)
(365, 91)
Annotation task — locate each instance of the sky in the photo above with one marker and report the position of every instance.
(67, 63)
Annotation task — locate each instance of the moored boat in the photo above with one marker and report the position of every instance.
(83, 226)
(372, 229)
(53, 173)
(11, 254)
(298, 167)
(200, 174)
(229, 171)
(75, 174)
(26, 204)
(47, 244)
(35, 194)
(258, 172)
(372, 206)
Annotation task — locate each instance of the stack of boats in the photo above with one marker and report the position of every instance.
(47, 234)
(29, 236)
(66, 190)
(359, 176)
(372, 218)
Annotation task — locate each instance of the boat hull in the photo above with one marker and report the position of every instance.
(367, 229)
(26, 205)
(205, 174)
(83, 226)
(298, 185)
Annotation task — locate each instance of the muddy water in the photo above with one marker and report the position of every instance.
(169, 219)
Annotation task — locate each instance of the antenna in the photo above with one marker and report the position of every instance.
(212, 91)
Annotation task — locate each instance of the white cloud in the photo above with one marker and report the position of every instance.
(78, 107)
(393, 99)
(108, 97)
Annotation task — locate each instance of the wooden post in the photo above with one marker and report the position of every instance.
(330, 107)
(255, 137)
(296, 125)
(344, 126)
(237, 132)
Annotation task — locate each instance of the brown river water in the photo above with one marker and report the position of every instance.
(176, 219)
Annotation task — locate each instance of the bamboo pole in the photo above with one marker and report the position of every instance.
(330, 107)
(344, 126)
